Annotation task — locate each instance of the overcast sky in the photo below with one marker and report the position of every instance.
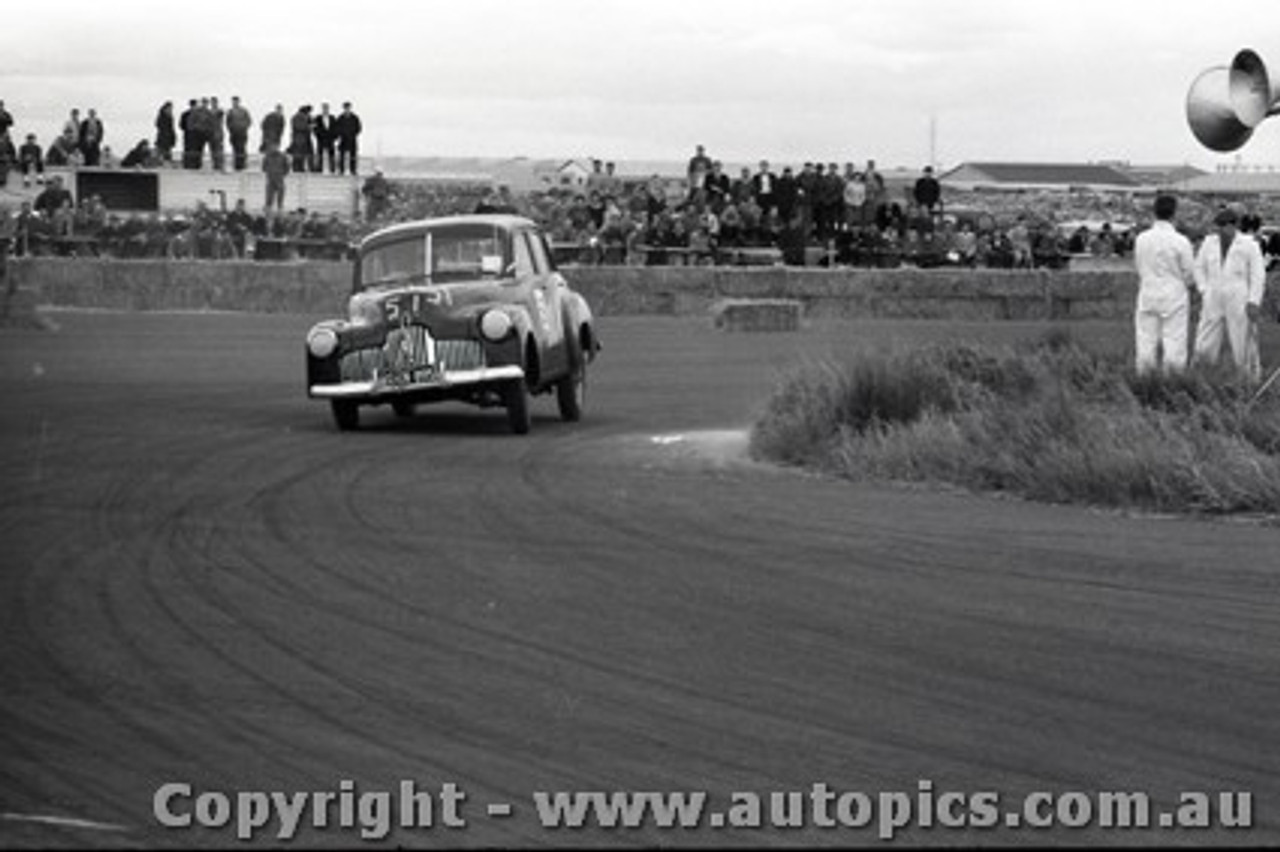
(1024, 80)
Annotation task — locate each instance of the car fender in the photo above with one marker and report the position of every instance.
(577, 315)
(509, 350)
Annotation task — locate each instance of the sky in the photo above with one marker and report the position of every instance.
(904, 82)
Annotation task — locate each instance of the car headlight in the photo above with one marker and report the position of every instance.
(364, 310)
(495, 325)
(322, 342)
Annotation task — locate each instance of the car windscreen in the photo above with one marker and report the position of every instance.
(457, 253)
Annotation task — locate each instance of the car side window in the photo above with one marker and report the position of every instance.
(540, 242)
(523, 259)
(539, 253)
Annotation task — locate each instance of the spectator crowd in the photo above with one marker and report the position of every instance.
(821, 213)
(316, 141)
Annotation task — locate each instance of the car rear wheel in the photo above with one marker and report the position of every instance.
(346, 414)
(516, 398)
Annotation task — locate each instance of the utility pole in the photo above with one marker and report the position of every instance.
(933, 140)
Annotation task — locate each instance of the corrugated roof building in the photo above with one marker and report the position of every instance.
(1049, 176)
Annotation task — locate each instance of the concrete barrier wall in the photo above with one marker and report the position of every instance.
(322, 287)
(848, 293)
(157, 285)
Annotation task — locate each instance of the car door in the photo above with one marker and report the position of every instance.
(545, 291)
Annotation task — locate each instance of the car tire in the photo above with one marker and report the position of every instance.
(403, 409)
(516, 398)
(346, 414)
(571, 394)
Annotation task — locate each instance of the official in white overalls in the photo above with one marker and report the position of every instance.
(1165, 273)
(1231, 276)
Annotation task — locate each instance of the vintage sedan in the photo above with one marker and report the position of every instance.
(465, 308)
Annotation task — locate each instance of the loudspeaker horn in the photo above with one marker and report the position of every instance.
(1210, 112)
(1254, 94)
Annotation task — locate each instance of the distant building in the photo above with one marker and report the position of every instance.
(572, 174)
(1060, 177)
(1160, 176)
(1258, 183)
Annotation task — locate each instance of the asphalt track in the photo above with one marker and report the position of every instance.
(202, 581)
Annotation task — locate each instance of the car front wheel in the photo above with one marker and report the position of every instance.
(346, 414)
(571, 394)
(516, 398)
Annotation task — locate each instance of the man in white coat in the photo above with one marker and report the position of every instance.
(1165, 272)
(1231, 277)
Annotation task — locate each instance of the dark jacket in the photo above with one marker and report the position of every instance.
(238, 120)
(322, 126)
(166, 136)
(346, 127)
(30, 157)
(272, 130)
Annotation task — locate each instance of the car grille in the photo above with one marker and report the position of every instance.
(363, 364)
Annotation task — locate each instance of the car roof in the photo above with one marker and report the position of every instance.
(504, 221)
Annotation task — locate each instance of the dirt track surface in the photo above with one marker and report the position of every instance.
(202, 581)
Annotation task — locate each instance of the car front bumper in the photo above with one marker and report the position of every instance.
(382, 388)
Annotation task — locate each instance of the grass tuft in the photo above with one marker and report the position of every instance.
(1049, 420)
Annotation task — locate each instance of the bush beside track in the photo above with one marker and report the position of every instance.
(1051, 421)
(320, 287)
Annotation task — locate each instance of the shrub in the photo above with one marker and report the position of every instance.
(1051, 421)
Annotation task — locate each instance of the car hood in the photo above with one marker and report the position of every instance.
(446, 308)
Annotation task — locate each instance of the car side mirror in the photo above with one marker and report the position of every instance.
(491, 264)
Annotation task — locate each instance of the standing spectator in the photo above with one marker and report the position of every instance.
(166, 137)
(91, 133)
(273, 129)
(72, 126)
(238, 123)
(595, 180)
(1165, 272)
(927, 191)
(347, 127)
(217, 136)
(8, 157)
(763, 186)
(191, 147)
(699, 167)
(300, 149)
(855, 197)
(786, 195)
(741, 188)
(30, 159)
(807, 203)
(1231, 276)
(275, 165)
(830, 202)
(322, 125)
(200, 125)
(877, 206)
(612, 184)
(377, 193)
(6, 119)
